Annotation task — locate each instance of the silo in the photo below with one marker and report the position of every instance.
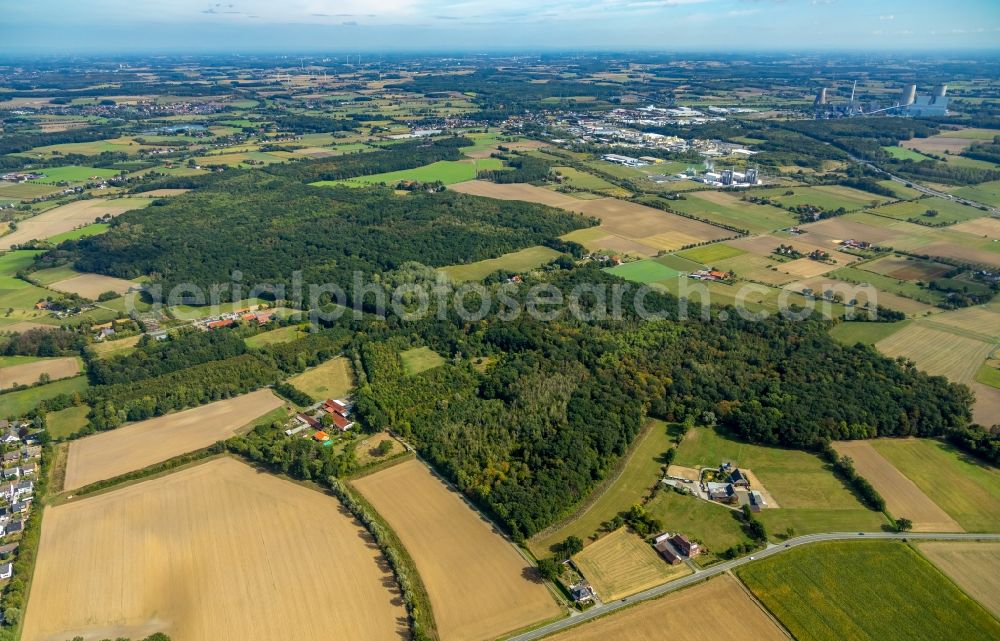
(909, 94)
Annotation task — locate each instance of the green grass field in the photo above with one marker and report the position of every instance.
(865, 590)
(728, 209)
(419, 359)
(641, 472)
(17, 404)
(24, 191)
(709, 254)
(988, 375)
(888, 284)
(12, 262)
(275, 336)
(713, 525)
(986, 193)
(581, 180)
(519, 261)
(675, 261)
(902, 153)
(644, 271)
(851, 332)
(53, 274)
(76, 234)
(73, 174)
(67, 422)
(902, 191)
(964, 487)
(810, 497)
(948, 211)
(446, 171)
(827, 197)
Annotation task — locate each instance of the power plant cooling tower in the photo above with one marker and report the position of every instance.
(909, 95)
(940, 91)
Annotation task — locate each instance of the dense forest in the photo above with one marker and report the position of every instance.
(534, 432)
(152, 358)
(268, 227)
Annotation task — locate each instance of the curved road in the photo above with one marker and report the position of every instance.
(701, 575)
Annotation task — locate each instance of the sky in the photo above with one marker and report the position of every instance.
(203, 26)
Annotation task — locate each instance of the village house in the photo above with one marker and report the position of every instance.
(582, 592)
(7, 550)
(667, 551)
(31, 451)
(28, 469)
(685, 546)
(739, 479)
(6, 570)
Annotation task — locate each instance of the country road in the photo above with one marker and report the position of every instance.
(927, 190)
(720, 568)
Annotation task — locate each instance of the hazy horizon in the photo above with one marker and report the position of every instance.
(258, 26)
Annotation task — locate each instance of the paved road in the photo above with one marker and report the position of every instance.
(719, 568)
(927, 190)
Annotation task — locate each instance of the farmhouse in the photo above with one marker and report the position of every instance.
(757, 501)
(321, 436)
(668, 552)
(308, 420)
(739, 479)
(685, 546)
(724, 492)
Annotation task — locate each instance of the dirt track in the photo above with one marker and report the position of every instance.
(133, 447)
(215, 552)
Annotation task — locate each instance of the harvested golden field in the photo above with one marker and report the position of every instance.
(92, 285)
(133, 447)
(214, 552)
(974, 566)
(805, 268)
(938, 144)
(833, 230)
(628, 227)
(905, 268)
(477, 582)
(981, 320)
(108, 349)
(332, 379)
(986, 226)
(164, 193)
(67, 218)
(652, 227)
(902, 497)
(937, 352)
(518, 191)
(28, 373)
(720, 608)
(955, 251)
(622, 564)
(987, 406)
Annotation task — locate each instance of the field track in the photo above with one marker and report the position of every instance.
(28, 373)
(477, 582)
(214, 552)
(133, 447)
(902, 497)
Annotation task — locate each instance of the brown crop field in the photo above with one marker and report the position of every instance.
(477, 582)
(952, 250)
(987, 406)
(92, 285)
(806, 268)
(842, 228)
(902, 497)
(622, 564)
(986, 226)
(28, 373)
(628, 227)
(720, 608)
(938, 144)
(937, 352)
(67, 218)
(903, 268)
(518, 191)
(133, 447)
(218, 551)
(974, 566)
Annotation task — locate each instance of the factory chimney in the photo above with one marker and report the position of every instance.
(909, 94)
